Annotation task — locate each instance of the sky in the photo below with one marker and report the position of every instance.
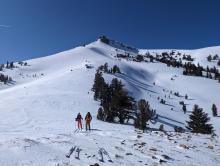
(36, 28)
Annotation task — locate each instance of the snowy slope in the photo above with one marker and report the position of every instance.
(37, 111)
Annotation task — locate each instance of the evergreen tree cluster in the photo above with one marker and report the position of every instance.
(168, 59)
(125, 56)
(215, 57)
(10, 65)
(151, 57)
(199, 121)
(104, 39)
(192, 69)
(22, 63)
(117, 44)
(176, 94)
(104, 68)
(210, 57)
(162, 101)
(5, 78)
(115, 101)
(115, 69)
(188, 58)
(117, 105)
(139, 58)
(189, 68)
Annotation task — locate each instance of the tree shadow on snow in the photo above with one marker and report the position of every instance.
(169, 105)
(96, 130)
(11, 82)
(164, 117)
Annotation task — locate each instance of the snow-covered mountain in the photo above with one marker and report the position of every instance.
(38, 109)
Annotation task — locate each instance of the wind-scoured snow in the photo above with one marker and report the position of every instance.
(38, 110)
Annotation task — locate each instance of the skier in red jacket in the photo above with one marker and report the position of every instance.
(79, 121)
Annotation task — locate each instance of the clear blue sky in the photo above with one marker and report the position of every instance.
(34, 28)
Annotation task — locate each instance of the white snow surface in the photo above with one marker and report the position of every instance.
(38, 110)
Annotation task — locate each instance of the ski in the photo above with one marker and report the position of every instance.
(102, 152)
(71, 152)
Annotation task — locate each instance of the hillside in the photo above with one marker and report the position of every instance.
(38, 109)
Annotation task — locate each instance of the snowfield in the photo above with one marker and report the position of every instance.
(38, 111)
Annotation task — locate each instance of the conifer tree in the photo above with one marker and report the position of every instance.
(100, 114)
(161, 128)
(106, 98)
(219, 62)
(184, 108)
(209, 58)
(98, 85)
(140, 58)
(1, 67)
(116, 69)
(106, 67)
(12, 65)
(214, 110)
(141, 120)
(7, 65)
(144, 115)
(216, 74)
(104, 39)
(120, 101)
(199, 121)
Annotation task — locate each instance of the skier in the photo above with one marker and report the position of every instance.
(79, 121)
(88, 119)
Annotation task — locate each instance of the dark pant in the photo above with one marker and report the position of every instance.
(88, 125)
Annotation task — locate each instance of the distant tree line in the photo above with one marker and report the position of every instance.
(173, 61)
(106, 40)
(192, 69)
(8, 65)
(23, 63)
